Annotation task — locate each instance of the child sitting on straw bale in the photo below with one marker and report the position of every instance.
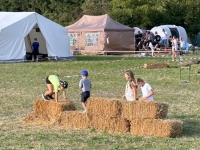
(85, 86)
(131, 87)
(147, 91)
(54, 85)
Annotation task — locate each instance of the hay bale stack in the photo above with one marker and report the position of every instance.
(110, 124)
(156, 127)
(50, 110)
(74, 120)
(142, 118)
(144, 109)
(103, 107)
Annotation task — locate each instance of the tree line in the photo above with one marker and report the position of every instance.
(144, 14)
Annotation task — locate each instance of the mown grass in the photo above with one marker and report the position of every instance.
(22, 83)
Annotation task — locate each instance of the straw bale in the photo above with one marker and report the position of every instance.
(33, 119)
(74, 120)
(156, 127)
(103, 107)
(157, 65)
(30, 118)
(144, 109)
(110, 124)
(50, 110)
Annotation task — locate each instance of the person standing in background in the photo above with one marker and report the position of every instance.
(35, 49)
(138, 38)
(182, 44)
(164, 40)
(156, 41)
(174, 47)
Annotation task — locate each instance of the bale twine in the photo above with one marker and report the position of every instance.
(74, 120)
(103, 107)
(50, 110)
(110, 124)
(156, 127)
(144, 109)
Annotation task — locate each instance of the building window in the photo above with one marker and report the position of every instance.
(72, 39)
(91, 39)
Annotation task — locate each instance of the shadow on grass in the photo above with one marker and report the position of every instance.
(112, 57)
(174, 66)
(191, 125)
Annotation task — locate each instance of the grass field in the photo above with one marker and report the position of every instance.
(22, 83)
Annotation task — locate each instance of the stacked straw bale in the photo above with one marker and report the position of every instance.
(50, 110)
(110, 124)
(103, 107)
(156, 127)
(74, 120)
(138, 118)
(144, 109)
(105, 115)
(141, 117)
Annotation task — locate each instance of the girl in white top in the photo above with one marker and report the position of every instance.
(174, 48)
(131, 87)
(147, 91)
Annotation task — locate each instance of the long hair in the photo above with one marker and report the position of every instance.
(131, 77)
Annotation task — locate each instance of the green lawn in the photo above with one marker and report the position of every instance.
(22, 83)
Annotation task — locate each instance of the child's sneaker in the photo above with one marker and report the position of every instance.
(50, 96)
(45, 97)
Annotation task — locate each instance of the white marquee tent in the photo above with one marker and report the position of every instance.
(172, 30)
(18, 30)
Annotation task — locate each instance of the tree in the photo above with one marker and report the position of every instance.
(141, 13)
(192, 17)
(95, 7)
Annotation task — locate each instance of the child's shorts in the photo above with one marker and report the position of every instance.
(84, 96)
(47, 80)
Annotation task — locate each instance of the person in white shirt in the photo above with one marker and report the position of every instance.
(182, 44)
(164, 40)
(147, 91)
